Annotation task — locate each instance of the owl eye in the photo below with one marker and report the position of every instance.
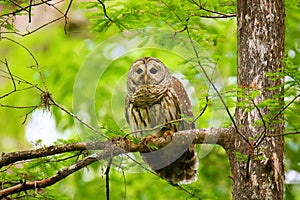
(153, 71)
(139, 71)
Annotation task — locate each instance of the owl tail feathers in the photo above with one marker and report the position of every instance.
(184, 170)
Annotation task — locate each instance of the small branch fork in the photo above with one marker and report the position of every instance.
(28, 9)
(105, 11)
(7, 74)
(11, 78)
(108, 149)
(216, 14)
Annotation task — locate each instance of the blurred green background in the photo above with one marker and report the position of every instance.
(85, 72)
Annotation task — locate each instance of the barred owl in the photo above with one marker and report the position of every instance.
(157, 102)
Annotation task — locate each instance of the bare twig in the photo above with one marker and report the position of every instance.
(284, 134)
(215, 17)
(35, 60)
(107, 177)
(75, 116)
(66, 15)
(35, 30)
(261, 135)
(30, 53)
(172, 10)
(285, 107)
(15, 4)
(29, 12)
(40, 74)
(15, 78)
(13, 13)
(11, 78)
(28, 9)
(279, 113)
(63, 159)
(21, 80)
(125, 184)
(218, 14)
(18, 107)
(192, 195)
(104, 11)
(202, 111)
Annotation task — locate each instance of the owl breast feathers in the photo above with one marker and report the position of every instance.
(157, 102)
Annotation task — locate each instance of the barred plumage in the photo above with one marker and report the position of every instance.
(157, 101)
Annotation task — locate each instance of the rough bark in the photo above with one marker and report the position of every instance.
(257, 161)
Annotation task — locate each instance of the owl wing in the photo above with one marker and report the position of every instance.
(184, 101)
(179, 160)
(129, 114)
(127, 109)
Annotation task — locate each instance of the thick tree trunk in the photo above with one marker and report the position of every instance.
(256, 157)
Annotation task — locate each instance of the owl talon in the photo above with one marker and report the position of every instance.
(168, 135)
(148, 139)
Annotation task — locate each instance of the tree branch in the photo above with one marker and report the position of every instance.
(201, 136)
(61, 174)
(109, 149)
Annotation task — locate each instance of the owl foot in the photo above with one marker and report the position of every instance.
(122, 141)
(148, 139)
(156, 141)
(168, 135)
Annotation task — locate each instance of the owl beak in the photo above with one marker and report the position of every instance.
(145, 78)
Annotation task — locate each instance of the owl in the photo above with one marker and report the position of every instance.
(156, 104)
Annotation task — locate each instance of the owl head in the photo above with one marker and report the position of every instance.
(147, 71)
